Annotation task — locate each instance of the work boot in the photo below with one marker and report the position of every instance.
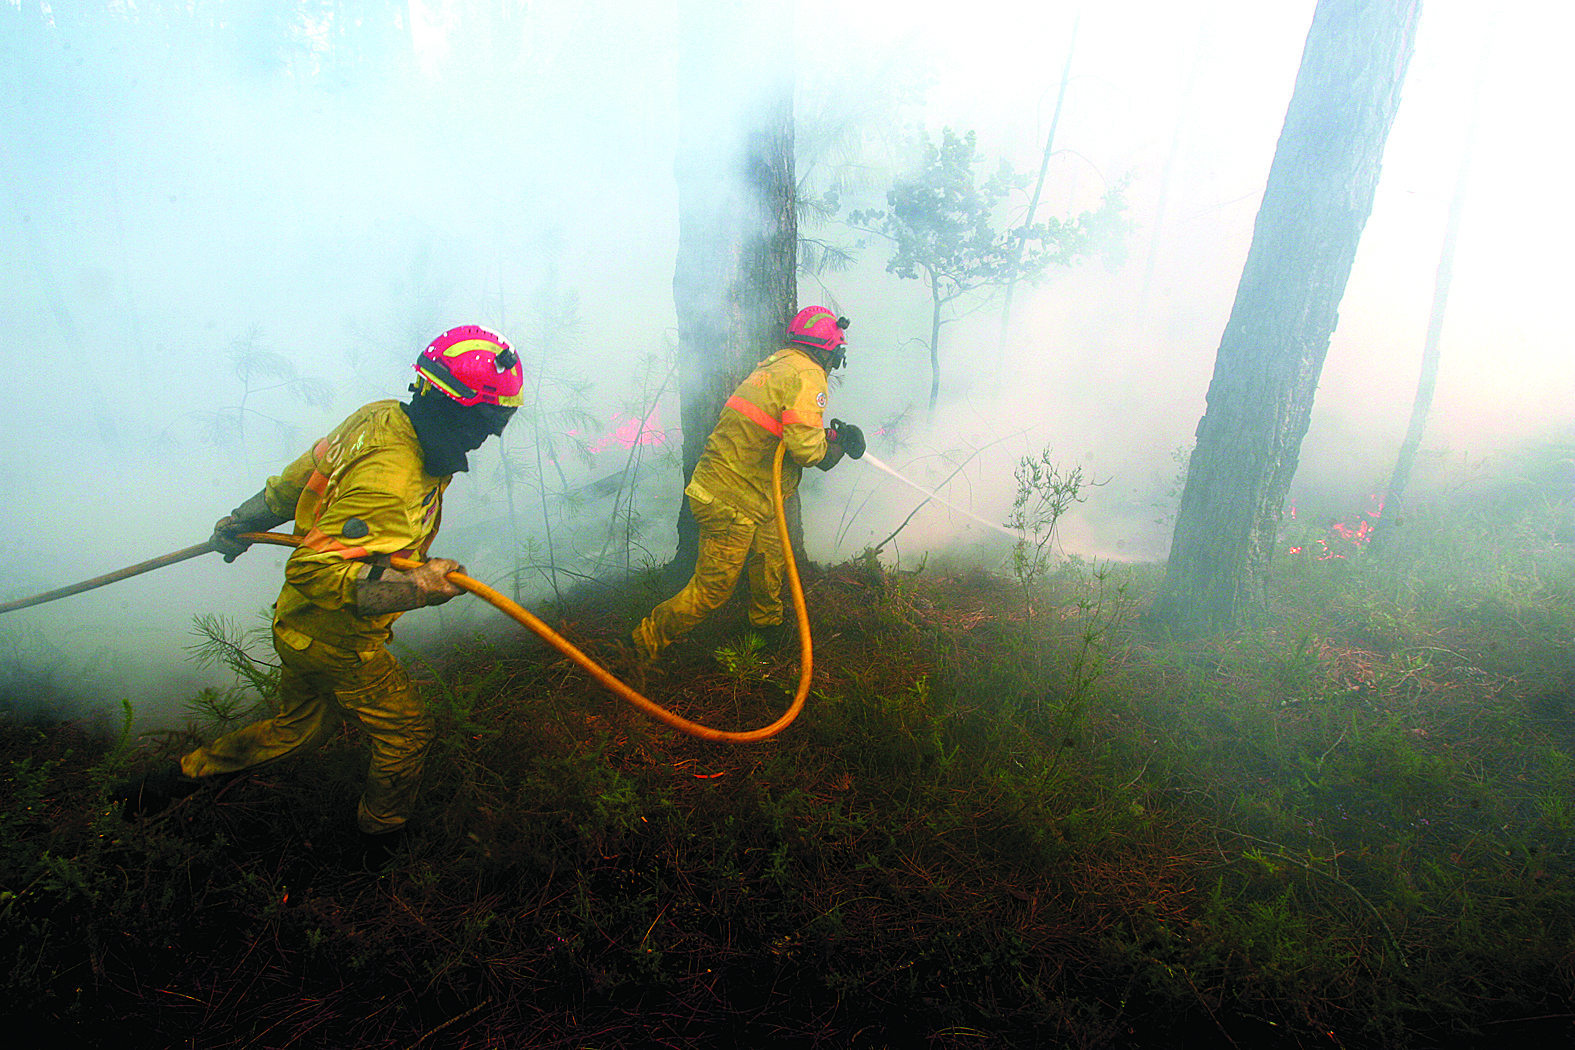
(151, 792)
(645, 653)
(776, 636)
(378, 851)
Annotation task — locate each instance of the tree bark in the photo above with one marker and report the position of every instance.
(735, 282)
(1317, 200)
(1427, 383)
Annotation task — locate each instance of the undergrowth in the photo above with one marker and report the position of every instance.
(1353, 826)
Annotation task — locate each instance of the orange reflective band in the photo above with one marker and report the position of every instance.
(755, 413)
(318, 482)
(322, 543)
(790, 415)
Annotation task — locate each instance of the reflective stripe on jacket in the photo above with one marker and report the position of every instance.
(784, 399)
(359, 491)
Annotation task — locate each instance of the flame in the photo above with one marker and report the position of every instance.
(633, 431)
(1347, 537)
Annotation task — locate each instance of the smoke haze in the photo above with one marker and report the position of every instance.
(227, 224)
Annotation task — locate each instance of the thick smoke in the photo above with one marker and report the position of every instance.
(223, 233)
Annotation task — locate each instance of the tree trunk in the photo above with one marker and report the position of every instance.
(1319, 194)
(1390, 517)
(1033, 203)
(735, 283)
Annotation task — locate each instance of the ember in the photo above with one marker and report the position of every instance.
(1346, 538)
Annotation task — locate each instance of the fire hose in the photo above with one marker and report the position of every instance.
(526, 619)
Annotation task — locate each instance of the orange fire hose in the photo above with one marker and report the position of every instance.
(525, 618)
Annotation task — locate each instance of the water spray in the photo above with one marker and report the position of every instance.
(876, 462)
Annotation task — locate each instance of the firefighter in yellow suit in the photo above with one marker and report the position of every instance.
(782, 400)
(371, 489)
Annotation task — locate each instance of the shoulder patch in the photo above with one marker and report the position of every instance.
(355, 529)
(820, 399)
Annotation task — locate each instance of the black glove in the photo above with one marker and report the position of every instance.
(834, 453)
(850, 437)
(224, 539)
(252, 516)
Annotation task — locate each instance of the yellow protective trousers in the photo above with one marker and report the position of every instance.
(318, 687)
(728, 539)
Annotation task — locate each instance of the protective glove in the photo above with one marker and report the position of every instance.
(850, 437)
(834, 453)
(252, 516)
(379, 591)
(431, 580)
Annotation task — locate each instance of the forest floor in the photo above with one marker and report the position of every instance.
(1007, 817)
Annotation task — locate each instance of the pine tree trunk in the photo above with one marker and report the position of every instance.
(1317, 200)
(1033, 204)
(1427, 382)
(735, 283)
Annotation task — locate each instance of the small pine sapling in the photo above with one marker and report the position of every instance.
(254, 694)
(1044, 494)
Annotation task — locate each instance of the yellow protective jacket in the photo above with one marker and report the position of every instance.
(359, 491)
(782, 399)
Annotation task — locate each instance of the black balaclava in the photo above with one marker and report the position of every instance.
(449, 431)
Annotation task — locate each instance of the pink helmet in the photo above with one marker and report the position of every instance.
(819, 329)
(472, 365)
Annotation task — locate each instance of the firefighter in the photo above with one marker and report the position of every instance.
(730, 492)
(371, 489)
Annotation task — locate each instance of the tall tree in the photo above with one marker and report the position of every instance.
(1317, 200)
(735, 283)
(1427, 381)
(942, 224)
(1033, 202)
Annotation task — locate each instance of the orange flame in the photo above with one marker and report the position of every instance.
(1348, 537)
(632, 431)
